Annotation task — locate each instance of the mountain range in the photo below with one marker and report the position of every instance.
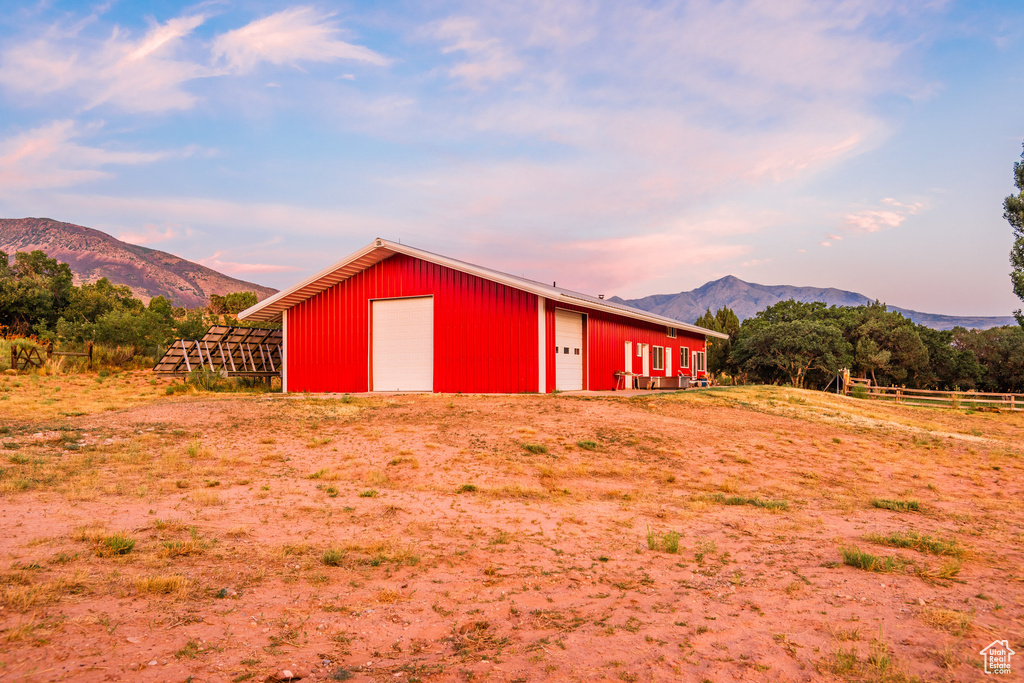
(747, 298)
(92, 254)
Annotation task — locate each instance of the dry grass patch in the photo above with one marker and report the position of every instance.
(173, 584)
(954, 622)
(207, 498)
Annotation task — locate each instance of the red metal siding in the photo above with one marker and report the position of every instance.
(485, 334)
(606, 336)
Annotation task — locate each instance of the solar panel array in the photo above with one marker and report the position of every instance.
(229, 351)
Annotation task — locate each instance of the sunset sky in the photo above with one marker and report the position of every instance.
(618, 148)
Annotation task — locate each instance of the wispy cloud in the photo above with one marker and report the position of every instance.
(143, 74)
(485, 59)
(891, 214)
(150, 72)
(239, 268)
(288, 37)
(153, 234)
(50, 156)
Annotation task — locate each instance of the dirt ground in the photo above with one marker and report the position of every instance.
(694, 536)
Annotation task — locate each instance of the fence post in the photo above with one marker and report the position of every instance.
(88, 350)
(14, 357)
(49, 350)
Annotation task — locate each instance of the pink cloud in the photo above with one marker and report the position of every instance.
(892, 215)
(153, 234)
(286, 37)
(487, 58)
(235, 267)
(50, 156)
(142, 74)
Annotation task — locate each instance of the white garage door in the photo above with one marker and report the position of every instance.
(403, 344)
(569, 350)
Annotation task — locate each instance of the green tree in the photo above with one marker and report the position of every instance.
(192, 326)
(139, 330)
(720, 350)
(90, 301)
(951, 365)
(792, 349)
(217, 305)
(34, 290)
(236, 302)
(1000, 353)
(1013, 212)
(162, 307)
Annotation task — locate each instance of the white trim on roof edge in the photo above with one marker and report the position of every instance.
(271, 308)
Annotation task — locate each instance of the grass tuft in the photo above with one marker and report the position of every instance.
(855, 557)
(764, 503)
(897, 505)
(667, 542)
(918, 541)
(332, 557)
(115, 544)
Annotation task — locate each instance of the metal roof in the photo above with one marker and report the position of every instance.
(270, 309)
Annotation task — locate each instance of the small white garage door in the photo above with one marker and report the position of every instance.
(568, 350)
(403, 344)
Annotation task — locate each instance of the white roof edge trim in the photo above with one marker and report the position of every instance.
(537, 288)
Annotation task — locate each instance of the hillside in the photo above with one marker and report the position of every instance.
(93, 255)
(747, 298)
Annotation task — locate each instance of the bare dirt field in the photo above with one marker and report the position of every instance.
(745, 534)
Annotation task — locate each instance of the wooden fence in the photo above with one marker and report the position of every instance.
(24, 357)
(949, 399)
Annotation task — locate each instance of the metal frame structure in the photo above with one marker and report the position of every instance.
(229, 351)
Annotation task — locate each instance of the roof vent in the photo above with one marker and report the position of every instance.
(380, 243)
(600, 296)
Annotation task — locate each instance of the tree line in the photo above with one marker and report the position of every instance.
(807, 344)
(38, 298)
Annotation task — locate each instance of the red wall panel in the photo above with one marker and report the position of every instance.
(606, 336)
(485, 334)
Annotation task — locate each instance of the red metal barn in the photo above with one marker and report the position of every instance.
(394, 318)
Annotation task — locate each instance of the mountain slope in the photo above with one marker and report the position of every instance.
(93, 254)
(747, 298)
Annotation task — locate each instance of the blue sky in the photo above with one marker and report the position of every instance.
(618, 148)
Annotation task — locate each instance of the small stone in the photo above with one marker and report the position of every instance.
(153, 663)
(920, 601)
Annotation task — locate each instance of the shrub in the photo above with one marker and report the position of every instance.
(668, 542)
(765, 503)
(116, 544)
(535, 448)
(369, 493)
(920, 542)
(897, 505)
(855, 557)
(467, 488)
(587, 445)
(332, 557)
